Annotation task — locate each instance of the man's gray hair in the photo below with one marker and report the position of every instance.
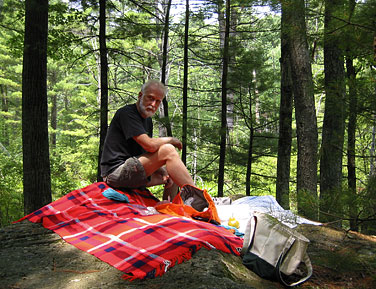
(154, 83)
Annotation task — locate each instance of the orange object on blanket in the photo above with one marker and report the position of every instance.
(191, 202)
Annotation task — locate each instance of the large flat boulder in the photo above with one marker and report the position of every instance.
(34, 257)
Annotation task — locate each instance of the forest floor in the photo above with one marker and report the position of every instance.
(34, 257)
(341, 259)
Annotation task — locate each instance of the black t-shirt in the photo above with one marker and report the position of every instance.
(119, 144)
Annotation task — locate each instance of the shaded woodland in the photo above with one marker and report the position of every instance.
(268, 97)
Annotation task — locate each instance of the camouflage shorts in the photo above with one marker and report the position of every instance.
(130, 174)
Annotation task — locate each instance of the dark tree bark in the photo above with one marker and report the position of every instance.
(250, 149)
(185, 85)
(223, 131)
(164, 67)
(4, 108)
(36, 161)
(230, 93)
(103, 83)
(306, 123)
(53, 114)
(334, 125)
(221, 23)
(351, 139)
(374, 47)
(285, 115)
(351, 129)
(222, 35)
(53, 120)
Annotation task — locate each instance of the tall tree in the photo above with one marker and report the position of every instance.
(36, 161)
(185, 84)
(250, 148)
(230, 115)
(223, 131)
(305, 113)
(164, 66)
(351, 129)
(103, 81)
(285, 114)
(4, 109)
(351, 139)
(334, 125)
(53, 115)
(232, 34)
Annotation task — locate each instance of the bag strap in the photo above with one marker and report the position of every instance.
(308, 264)
(248, 242)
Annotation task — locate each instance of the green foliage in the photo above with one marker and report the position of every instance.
(368, 207)
(11, 198)
(62, 20)
(12, 22)
(71, 169)
(332, 206)
(341, 261)
(307, 204)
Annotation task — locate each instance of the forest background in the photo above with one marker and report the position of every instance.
(269, 97)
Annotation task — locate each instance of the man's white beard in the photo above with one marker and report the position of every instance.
(146, 110)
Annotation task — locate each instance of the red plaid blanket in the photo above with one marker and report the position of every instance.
(127, 235)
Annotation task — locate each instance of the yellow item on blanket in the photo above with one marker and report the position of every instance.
(233, 222)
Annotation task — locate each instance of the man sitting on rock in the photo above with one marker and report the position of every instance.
(132, 158)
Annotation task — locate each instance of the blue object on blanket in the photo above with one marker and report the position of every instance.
(114, 195)
(237, 233)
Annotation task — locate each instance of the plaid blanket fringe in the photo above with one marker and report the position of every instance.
(130, 236)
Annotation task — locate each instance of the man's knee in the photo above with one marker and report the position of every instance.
(168, 151)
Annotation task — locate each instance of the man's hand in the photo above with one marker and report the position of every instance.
(176, 143)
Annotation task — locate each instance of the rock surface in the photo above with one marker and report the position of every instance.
(34, 257)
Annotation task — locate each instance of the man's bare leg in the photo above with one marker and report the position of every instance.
(168, 156)
(170, 188)
(170, 192)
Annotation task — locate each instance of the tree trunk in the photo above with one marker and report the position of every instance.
(103, 82)
(164, 67)
(285, 116)
(53, 114)
(256, 99)
(221, 23)
(223, 131)
(53, 120)
(369, 204)
(185, 85)
(4, 108)
(36, 161)
(306, 123)
(250, 149)
(222, 35)
(351, 136)
(230, 93)
(372, 152)
(334, 125)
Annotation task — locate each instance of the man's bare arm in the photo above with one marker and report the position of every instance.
(153, 144)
